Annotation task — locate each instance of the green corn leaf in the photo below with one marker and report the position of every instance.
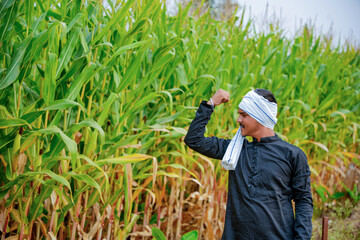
(157, 234)
(70, 144)
(49, 83)
(119, 15)
(158, 67)
(6, 123)
(84, 44)
(5, 4)
(80, 81)
(139, 105)
(338, 195)
(37, 206)
(6, 112)
(57, 178)
(51, 13)
(29, 11)
(88, 180)
(28, 141)
(269, 56)
(204, 51)
(169, 118)
(133, 158)
(76, 67)
(7, 19)
(16, 194)
(131, 72)
(93, 198)
(75, 20)
(48, 162)
(62, 104)
(193, 235)
(38, 22)
(14, 68)
(67, 51)
(123, 49)
(32, 116)
(93, 164)
(63, 213)
(178, 166)
(321, 191)
(4, 141)
(19, 179)
(168, 174)
(37, 45)
(88, 123)
(105, 109)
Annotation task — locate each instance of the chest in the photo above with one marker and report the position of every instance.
(264, 166)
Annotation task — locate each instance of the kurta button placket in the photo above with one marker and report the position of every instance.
(253, 168)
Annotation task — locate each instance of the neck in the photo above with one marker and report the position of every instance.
(264, 132)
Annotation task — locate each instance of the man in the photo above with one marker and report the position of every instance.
(267, 173)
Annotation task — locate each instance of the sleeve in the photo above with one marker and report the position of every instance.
(302, 197)
(209, 146)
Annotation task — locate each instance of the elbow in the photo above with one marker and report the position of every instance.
(187, 140)
(190, 142)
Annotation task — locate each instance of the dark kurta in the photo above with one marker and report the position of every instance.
(269, 174)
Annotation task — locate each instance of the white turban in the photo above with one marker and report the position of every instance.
(259, 108)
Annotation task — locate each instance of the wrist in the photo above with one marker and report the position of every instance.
(211, 103)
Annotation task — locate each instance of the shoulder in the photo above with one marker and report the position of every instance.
(294, 153)
(296, 158)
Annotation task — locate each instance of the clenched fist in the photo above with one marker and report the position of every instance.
(221, 96)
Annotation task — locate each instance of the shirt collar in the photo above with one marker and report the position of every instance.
(267, 139)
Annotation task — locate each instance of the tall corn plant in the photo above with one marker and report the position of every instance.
(95, 102)
(66, 68)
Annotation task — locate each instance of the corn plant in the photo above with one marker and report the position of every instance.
(95, 102)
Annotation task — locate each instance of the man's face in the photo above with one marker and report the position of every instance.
(249, 126)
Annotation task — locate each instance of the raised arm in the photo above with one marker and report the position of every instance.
(209, 146)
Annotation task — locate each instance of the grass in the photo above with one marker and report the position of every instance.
(343, 223)
(94, 105)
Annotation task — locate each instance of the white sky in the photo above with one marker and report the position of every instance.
(342, 15)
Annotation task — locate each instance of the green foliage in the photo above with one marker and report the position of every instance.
(94, 104)
(159, 235)
(353, 193)
(193, 235)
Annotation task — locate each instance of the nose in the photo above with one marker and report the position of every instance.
(239, 120)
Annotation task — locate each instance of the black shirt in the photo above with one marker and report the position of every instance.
(268, 175)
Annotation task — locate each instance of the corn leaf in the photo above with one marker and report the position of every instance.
(14, 68)
(6, 123)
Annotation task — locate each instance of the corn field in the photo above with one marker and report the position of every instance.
(95, 103)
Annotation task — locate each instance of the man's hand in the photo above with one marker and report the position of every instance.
(221, 96)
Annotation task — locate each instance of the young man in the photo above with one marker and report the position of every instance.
(265, 174)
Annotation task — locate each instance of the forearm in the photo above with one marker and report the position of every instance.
(209, 146)
(303, 208)
(303, 216)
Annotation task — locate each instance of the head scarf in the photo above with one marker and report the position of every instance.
(259, 108)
